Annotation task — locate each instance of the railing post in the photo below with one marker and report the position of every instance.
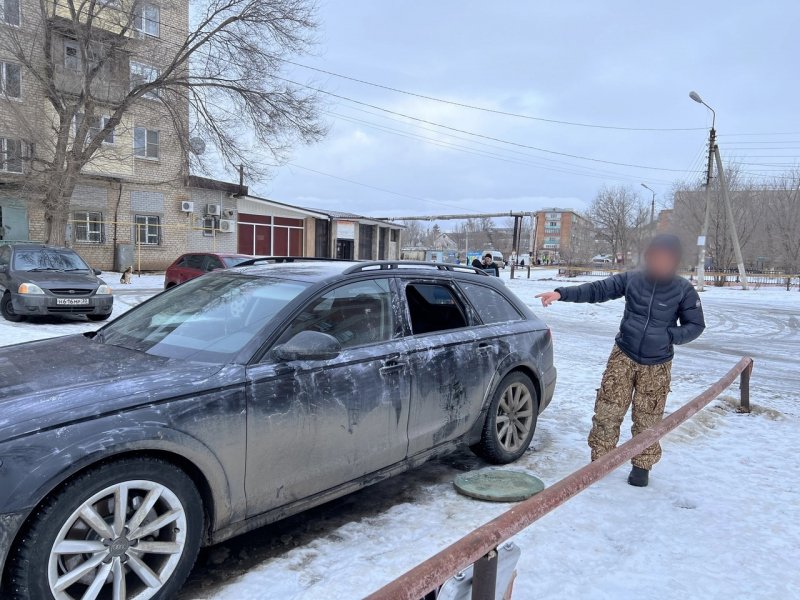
(744, 389)
(484, 577)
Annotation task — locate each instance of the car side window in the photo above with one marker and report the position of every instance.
(194, 261)
(212, 263)
(356, 314)
(182, 261)
(491, 305)
(433, 307)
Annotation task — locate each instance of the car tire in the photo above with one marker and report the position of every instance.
(7, 309)
(98, 317)
(510, 420)
(76, 540)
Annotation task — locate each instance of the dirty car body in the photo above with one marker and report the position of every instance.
(297, 383)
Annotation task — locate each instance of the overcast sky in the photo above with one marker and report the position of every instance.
(625, 63)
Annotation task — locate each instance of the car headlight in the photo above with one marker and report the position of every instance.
(103, 290)
(31, 289)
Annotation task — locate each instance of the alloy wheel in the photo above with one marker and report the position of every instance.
(514, 417)
(123, 543)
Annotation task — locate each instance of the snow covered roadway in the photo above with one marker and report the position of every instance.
(721, 518)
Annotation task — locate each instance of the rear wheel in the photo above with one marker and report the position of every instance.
(129, 530)
(7, 309)
(510, 420)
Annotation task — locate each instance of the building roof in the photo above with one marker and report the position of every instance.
(194, 181)
(327, 214)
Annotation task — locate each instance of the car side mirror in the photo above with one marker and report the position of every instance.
(97, 271)
(309, 345)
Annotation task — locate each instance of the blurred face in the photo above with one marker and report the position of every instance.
(487, 260)
(661, 264)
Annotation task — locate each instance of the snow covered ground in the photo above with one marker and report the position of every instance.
(721, 518)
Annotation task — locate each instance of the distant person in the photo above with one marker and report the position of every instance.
(489, 265)
(662, 309)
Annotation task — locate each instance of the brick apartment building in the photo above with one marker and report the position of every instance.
(561, 234)
(135, 197)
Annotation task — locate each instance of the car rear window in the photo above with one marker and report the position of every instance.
(491, 305)
(207, 319)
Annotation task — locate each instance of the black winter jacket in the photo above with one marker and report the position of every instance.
(653, 309)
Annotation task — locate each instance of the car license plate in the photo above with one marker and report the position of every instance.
(72, 301)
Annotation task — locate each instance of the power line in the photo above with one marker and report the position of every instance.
(483, 108)
(373, 187)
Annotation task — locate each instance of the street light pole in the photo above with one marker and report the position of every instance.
(701, 240)
(652, 203)
(714, 155)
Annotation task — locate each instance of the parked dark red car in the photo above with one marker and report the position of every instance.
(194, 264)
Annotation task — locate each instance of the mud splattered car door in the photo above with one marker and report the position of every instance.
(315, 424)
(449, 372)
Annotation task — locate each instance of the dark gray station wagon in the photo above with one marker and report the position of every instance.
(242, 397)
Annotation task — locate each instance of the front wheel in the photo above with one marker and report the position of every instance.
(7, 309)
(99, 317)
(128, 530)
(510, 420)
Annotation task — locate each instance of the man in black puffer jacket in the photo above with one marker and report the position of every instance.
(661, 309)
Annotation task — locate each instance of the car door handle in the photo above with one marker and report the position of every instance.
(392, 366)
(485, 347)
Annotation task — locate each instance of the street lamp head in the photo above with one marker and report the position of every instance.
(696, 97)
(645, 186)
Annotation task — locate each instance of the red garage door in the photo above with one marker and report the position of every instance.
(270, 236)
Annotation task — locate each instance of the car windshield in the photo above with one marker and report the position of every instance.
(48, 259)
(232, 261)
(208, 319)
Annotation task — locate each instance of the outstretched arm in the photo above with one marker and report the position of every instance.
(603, 290)
(691, 319)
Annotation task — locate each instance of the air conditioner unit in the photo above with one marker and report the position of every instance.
(227, 225)
(212, 210)
(228, 213)
(187, 206)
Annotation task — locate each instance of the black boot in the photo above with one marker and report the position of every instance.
(638, 477)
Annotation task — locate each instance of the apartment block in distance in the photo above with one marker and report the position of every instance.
(560, 234)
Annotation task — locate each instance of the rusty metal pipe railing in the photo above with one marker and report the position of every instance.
(432, 573)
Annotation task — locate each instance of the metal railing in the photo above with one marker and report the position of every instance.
(480, 546)
(719, 278)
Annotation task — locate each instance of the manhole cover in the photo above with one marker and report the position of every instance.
(498, 485)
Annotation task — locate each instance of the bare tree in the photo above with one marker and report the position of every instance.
(747, 203)
(221, 83)
(782, 210)
(617, 213)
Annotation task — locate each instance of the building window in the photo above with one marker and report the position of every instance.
(10, 80)
(145, 143)
(96, 125)
(10, 11)
(142, 74)
(148, 230)
(11, 155)
(146, 19)
(88, 227)
(393, 235)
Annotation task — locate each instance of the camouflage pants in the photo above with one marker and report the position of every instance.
(626, 381)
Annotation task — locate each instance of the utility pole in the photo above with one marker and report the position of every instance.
(701, 240)
(714, 156)
(532, 243)
(723, 185)
(652, 203)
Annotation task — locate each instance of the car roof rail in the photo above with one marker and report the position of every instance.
(287, 259)
(381, 265)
